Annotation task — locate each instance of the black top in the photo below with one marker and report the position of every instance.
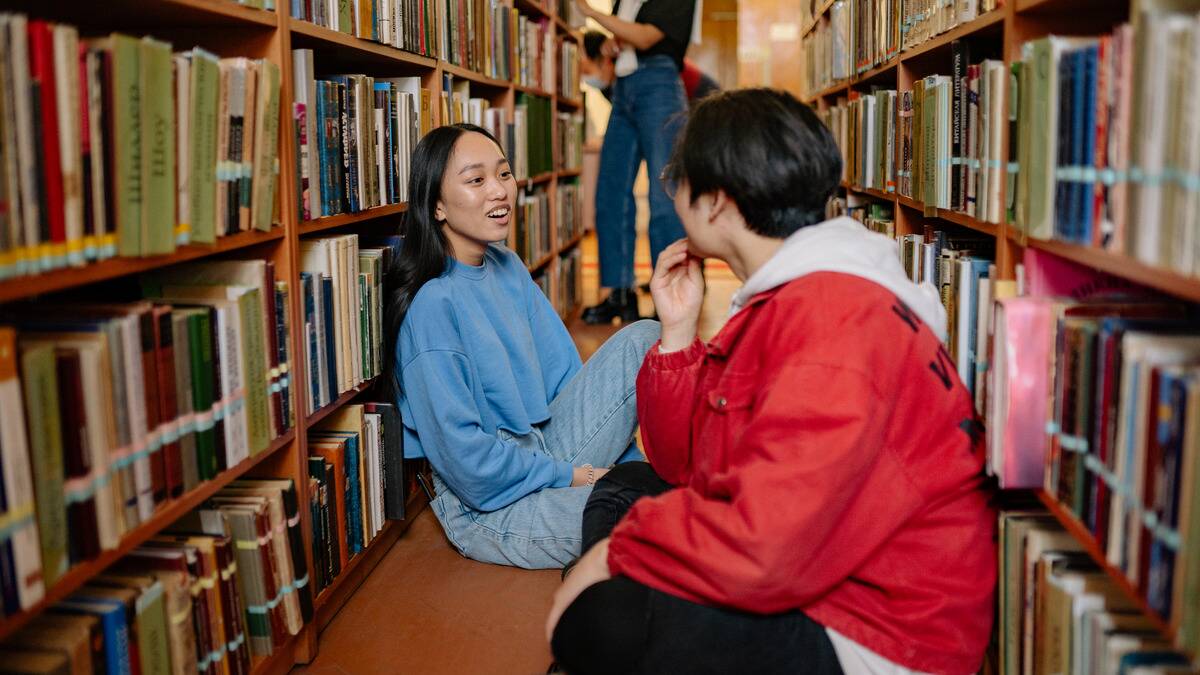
(674, 19)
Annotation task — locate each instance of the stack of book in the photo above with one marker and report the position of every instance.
(535, 53)
(226, 584)
(569, 279)
(568, 70)
(342, 292)
(865, 130)
(536, 145)
(1107, 140)
(412, 25)
(116, 146)
(569, 210)
(478, 35)
(356, 483)
(355, 135)
(532, 235)
(1059, 613)
(115, 409)
(570, 141)
(923, 20)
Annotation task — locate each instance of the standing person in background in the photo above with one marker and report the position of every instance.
(648, 99)
(597, 68)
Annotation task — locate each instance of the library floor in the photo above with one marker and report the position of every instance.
(426, 609)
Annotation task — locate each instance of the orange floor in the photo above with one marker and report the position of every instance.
(425, 609)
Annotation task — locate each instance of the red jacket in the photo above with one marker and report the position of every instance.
(822, 445)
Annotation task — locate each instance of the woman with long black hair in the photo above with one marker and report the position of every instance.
(488, 381)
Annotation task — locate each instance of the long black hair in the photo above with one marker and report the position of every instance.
(425, 249)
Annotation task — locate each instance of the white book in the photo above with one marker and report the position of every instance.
(305, 89)
(70, 122)
(18, 479)
(996, 73)
(27, 152)
(965, 315)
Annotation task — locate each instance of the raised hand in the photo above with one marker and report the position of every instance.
(678, 290)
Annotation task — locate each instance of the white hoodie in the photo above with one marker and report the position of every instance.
(845, 245)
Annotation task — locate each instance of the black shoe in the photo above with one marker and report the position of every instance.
(621, 304)
(644, 288)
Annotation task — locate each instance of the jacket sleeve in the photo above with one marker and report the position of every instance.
(769, 535)
(666, 395)
(484, 471)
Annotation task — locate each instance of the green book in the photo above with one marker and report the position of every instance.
(344, 20)
(202, 174)
(266, 156)
(126, 124)
(254, 352)
(200, 345)
(150, 622)
(158, 148)
(40, 383)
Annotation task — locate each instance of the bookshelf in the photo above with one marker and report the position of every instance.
(229, 29)
(1000, 34)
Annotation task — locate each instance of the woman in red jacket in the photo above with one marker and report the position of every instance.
(814, 499)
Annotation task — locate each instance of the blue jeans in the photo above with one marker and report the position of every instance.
(647, 112)
(592, 421)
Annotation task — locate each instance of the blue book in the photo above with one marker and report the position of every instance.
(1172, 409)
(1062, 228)
(320, 145)
(354, 506)
(310, 337)
(116, 629)
(1086, 186)
(9, 601)
(979, 270)
(281, 350)
(1078, 103)
(330, 343)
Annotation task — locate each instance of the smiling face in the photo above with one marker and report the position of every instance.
(478, 197)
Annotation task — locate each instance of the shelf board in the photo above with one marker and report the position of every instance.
(333, 597)
(1118, 264)
(1049, 6)
(541, 263)
(532, 91)
(173, 510)
(1081, 534)
(474, 77)
(955, 217)
(831, 91)
(305, 33)
(540, 178)
(223, 9)
(139, 15)
(574, 104)
(347, 396)
(281, 661)
(880, 194)
(330, 222)
(569, 173)
(69, 277)
(970, 28)
(878, 71)
(567, 29)
(572, 243)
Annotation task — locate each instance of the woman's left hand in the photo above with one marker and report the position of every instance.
(592, 568)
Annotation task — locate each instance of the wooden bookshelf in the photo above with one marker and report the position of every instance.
(994, 18)
(19, 288)
(333, 597)
(536, 180)
(343, 219)
(1119, 264)
(1080, 532)
(812, 23)
(542, 262)
(346, 397)
(570, 173)
(231, 29)
(166, 514)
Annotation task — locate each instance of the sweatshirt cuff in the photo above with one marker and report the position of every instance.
(675, 360)
(563, 473)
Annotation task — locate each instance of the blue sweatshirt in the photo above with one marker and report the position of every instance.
(481, 349)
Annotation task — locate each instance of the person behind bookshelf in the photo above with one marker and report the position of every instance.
(814, 499)
(648, 100)
(597, 65)
(488, 381)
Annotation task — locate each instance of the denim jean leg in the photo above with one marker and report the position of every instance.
(594, 417)
(620, 157)
(660, 118)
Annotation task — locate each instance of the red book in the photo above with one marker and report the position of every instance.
(168, 407)
(158, 469)
(41, 71)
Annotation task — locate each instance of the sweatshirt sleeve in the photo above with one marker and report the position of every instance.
(766, 538)
(557, 354)
(666, 396)
(486, 472)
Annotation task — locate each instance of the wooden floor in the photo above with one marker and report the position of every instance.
(426, 609)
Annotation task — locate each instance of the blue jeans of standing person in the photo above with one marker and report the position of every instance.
(647, 111)
(592, 421)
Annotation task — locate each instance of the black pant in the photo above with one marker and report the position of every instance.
(621, 626)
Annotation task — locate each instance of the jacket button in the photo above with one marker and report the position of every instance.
(721, 401)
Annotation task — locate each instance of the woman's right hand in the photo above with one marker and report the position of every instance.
(678, 290)
(579, 475)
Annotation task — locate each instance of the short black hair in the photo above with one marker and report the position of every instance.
(593, 40)
(768, 151)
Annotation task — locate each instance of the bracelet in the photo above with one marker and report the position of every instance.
(591, 474)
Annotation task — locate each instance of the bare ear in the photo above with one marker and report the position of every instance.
(439, 212)
(720, 203)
